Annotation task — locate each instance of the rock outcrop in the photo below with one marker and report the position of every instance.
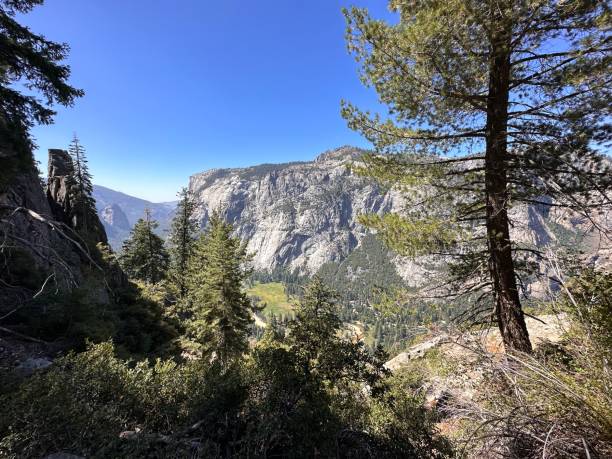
(39, 245)
(295, 216)
(58, 172)
(543, 329)
(32, 242)
(58, 194)
(113, 216)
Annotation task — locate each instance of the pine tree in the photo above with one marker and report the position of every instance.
(491, 104)
(219, 309)
(182, 240)
(314, 337)
(32, 63)
(143, 255)
(83, 205)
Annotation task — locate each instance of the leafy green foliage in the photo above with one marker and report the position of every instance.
(308, 379)
(399, 419)
(588, 299)
(137, 324)
(86, 400)
(81, 188)
(143, 255)
(490, 105)
(374, 298)
(309, 392)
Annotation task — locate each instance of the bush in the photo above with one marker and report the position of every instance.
(400, 420)
(306, 393)
(556, 403)
(84, 401)
(135, 322)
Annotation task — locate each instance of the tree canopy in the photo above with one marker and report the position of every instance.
(29, 64)
(83, 203)
(182, 239)
(490, 105)
(143, 255)
(219, 311)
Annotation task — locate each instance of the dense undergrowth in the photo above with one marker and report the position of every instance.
(305, 393)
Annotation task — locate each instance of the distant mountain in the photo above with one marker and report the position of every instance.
(295, 216)
(119, 212)
(301, 217)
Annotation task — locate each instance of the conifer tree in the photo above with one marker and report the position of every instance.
(83, 205)
(182, 240)
(28, 63)
(314, 337)
(220, 311)
(491, 104)
(143, 255)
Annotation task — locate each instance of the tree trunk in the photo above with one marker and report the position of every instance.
(510, 318)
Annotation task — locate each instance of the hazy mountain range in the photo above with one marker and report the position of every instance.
(119, 212)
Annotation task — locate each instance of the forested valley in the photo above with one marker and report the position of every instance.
(451, 328)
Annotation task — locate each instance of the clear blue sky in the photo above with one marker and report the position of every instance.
(174, 87)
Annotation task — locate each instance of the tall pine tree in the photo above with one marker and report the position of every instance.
(182, 239)
(220, 312)
(491, 104)
(28, 63)
(83, 205)
(143, 255)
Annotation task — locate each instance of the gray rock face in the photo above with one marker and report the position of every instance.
(58, 195)
(113, 216)
(26, 211)
(59, 169)
(115, 224)
(33, 222)
(296, 216)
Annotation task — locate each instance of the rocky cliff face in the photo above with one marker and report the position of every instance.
(295, 216)
(59, 170)
(113, 216)
(299, 216)
(58, 194)
(38, 244)
(32, 245)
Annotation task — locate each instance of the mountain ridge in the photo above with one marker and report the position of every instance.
(297, 216)
(300, 216)
(119, 212)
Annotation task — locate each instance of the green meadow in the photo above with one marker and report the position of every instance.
(275, 297)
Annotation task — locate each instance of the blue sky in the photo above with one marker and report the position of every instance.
(174, 87)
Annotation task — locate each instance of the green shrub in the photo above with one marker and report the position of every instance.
(400, 420)
(556, 403)
(84, 401)
(294, 395)
(137, 324)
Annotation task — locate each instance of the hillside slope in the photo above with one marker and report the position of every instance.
(119, 212)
